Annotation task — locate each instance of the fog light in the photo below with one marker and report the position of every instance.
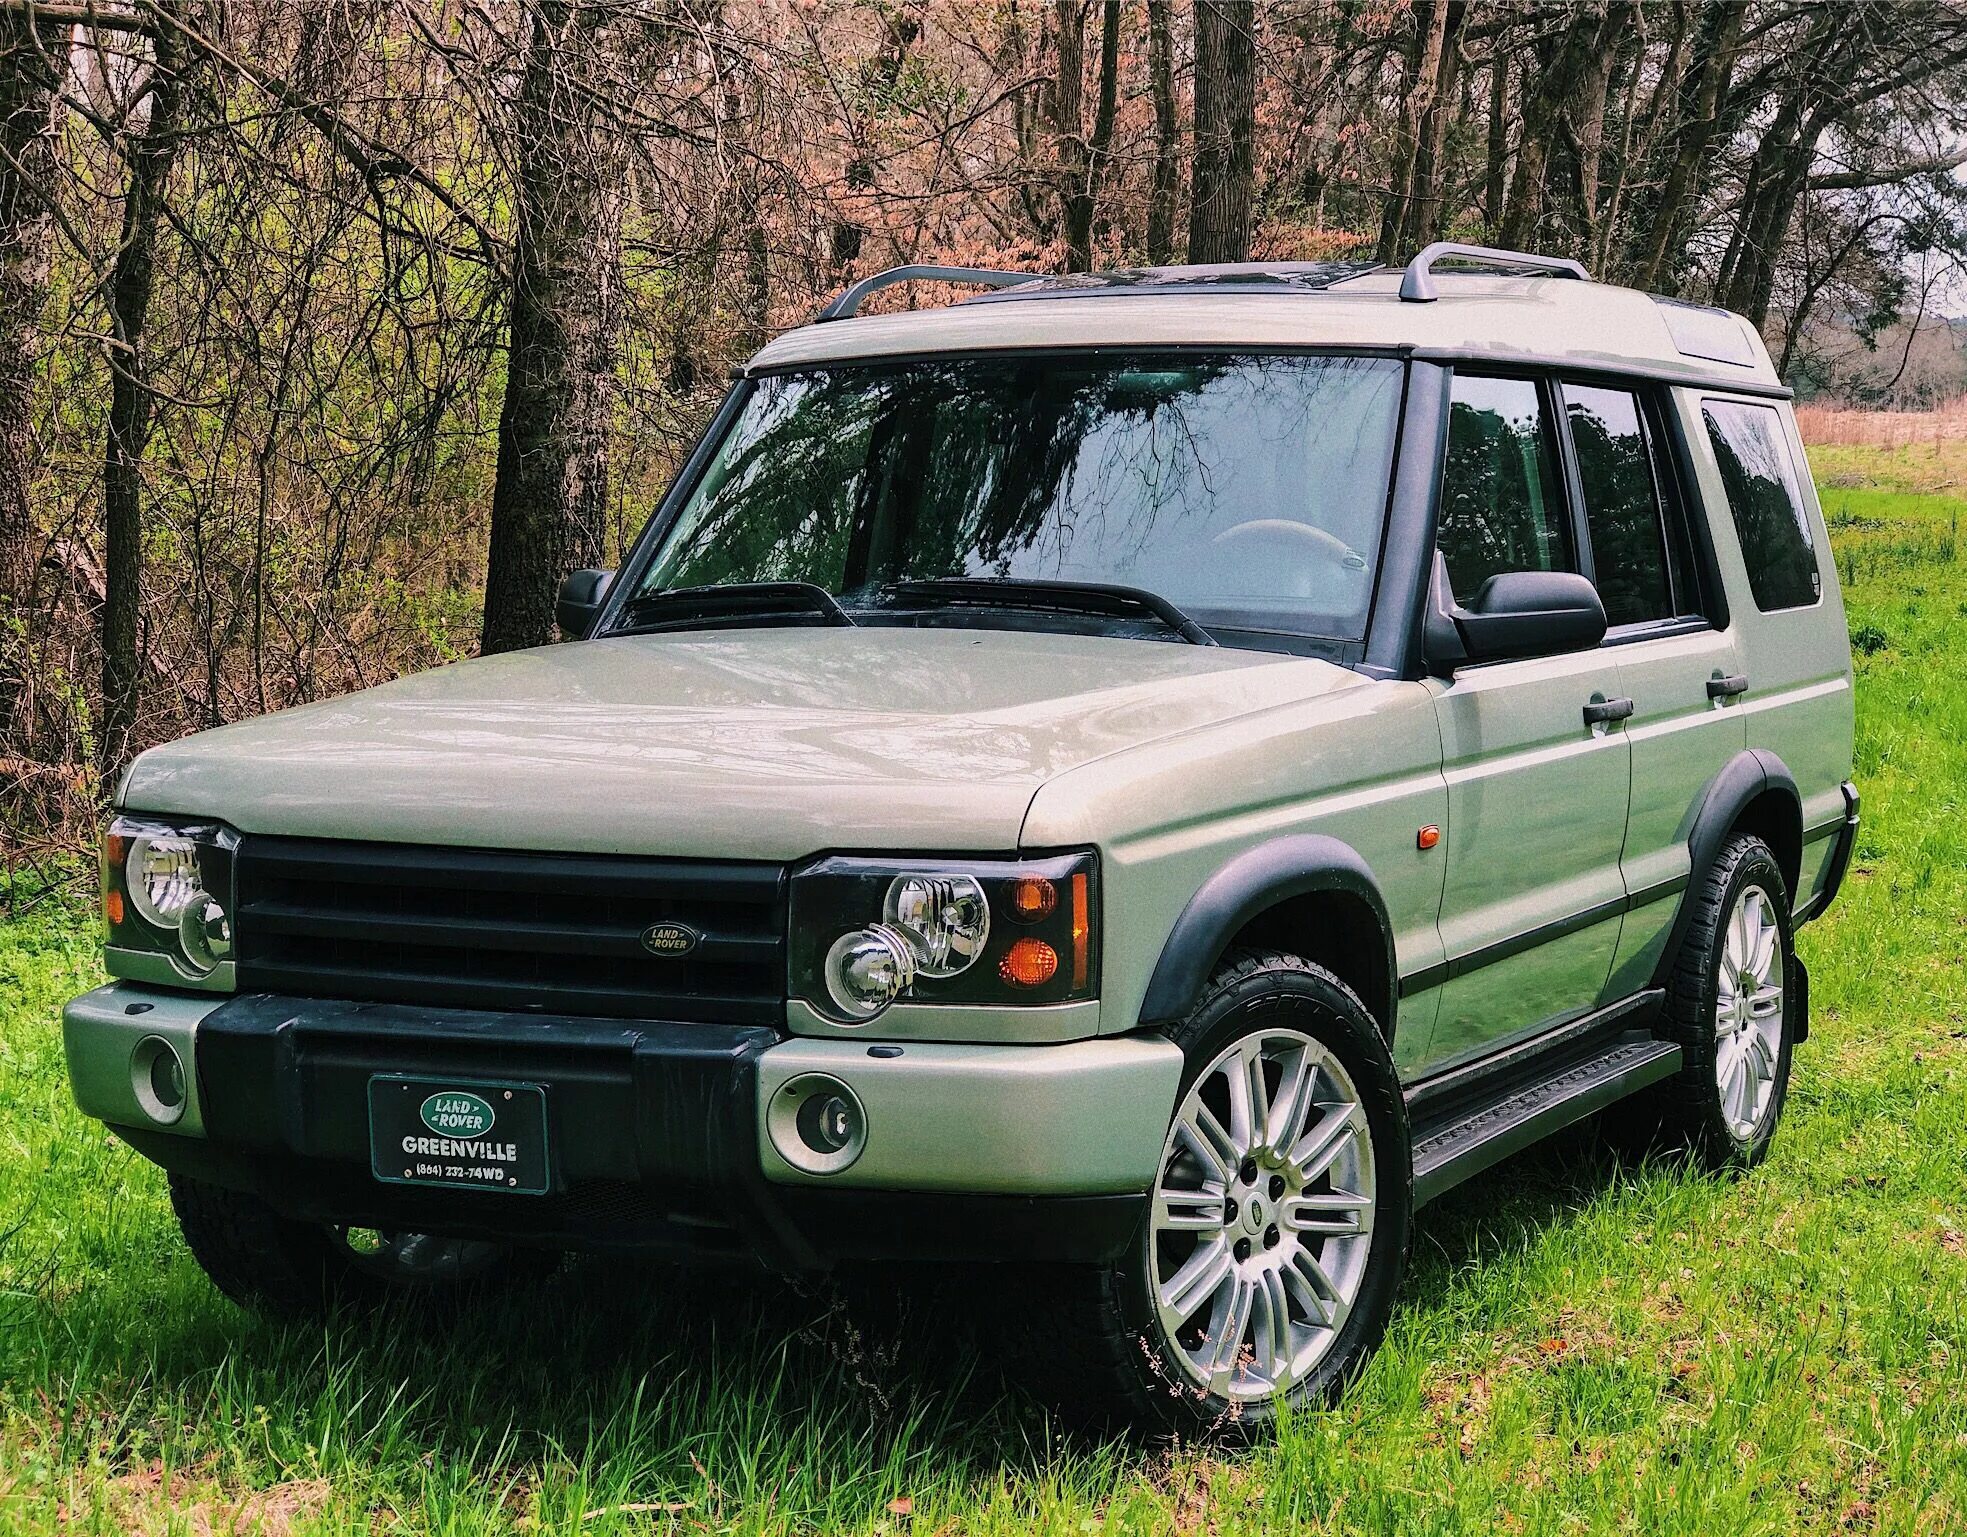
(817, 1124)
(157, 1079)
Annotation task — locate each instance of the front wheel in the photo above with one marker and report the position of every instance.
(1276, 1234)
(272, 1263)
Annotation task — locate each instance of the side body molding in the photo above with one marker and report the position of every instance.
(1749, 776)
(1252, 883)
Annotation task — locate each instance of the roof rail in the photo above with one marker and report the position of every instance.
(849, 302)
(1417, 282)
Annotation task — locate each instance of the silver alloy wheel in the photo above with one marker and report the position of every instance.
(1749, 1012)
(1263, 1215)
(418, 1258)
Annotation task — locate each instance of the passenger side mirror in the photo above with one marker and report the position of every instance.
(581, 596)
(1516, 614)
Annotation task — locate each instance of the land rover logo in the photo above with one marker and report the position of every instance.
(669, 939)
(454, 1113)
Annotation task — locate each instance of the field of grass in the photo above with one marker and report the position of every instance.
(1583, 1345)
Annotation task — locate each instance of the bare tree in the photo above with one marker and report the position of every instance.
(1220, 200)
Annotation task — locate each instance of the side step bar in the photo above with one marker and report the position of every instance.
(1485, 1133)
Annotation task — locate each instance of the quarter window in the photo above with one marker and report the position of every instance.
(1622, 504)
(1759, 476)
(1501, 505)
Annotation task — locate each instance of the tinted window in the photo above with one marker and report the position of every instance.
(1501, 509)
(1249, 490)
(1622, 504)
(1753, 454)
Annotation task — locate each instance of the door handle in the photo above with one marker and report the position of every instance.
(1727, 688)
(1602, 712)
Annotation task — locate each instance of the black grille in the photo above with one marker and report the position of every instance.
(474, 928)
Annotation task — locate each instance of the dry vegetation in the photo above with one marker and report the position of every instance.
(331, 333)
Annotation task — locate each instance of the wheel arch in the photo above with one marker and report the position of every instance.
(1309, 893)
(1754, 793)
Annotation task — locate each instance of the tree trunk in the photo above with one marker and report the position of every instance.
(549, 501)
(1708, 70)
(29, 62)
(1563, 126)
(1165, 188)
(1225, 129)
(1495, 170)
(151, 154)
(1421, 78)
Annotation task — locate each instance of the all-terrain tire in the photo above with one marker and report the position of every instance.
(1107, 1349)
(1691, 1102)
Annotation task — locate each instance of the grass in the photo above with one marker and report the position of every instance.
(1581, 1346)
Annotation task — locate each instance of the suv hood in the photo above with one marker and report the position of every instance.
(770, 744)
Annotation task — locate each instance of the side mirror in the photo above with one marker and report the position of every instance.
(581, 596)
(1516, 614)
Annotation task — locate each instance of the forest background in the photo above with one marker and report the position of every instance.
(332, 332)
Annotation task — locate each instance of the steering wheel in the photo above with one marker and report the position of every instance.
(1304, 555)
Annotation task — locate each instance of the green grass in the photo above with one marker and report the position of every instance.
(1582, 1346)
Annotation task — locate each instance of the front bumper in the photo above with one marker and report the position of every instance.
(659, 1140)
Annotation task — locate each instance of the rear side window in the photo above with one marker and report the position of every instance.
(1501, 505)
(1760, 478)
(1623, 508)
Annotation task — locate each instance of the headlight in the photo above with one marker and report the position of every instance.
(868, 932)
(167, 901)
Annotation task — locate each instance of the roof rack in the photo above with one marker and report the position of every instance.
(849, 302)
(1417, 282)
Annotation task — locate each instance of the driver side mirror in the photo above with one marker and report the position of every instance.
(581, 596)
(1516, 614)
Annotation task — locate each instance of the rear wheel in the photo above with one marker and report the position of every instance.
(263, 1260)
(1733, 1004)
(1275, 1237)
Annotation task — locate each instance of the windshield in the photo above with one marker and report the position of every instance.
(1248, 490)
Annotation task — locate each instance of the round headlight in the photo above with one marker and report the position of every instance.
(867, 970)
(205, 933)
(162, 877)
(946, 919)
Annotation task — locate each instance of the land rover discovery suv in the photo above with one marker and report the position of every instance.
(1155, 774)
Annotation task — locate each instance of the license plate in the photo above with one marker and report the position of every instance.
(459, 1133)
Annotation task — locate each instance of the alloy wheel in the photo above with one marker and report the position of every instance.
(1749, 1012)
(1262, 1216)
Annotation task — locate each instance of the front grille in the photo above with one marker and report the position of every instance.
(472, 928)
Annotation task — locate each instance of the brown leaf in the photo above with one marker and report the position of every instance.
(901, 1507)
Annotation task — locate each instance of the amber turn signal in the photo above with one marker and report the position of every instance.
(112, 906)
(1029, 963)
(1428, 836)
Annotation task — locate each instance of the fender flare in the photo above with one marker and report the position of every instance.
(1251, 883)
(1743, 779)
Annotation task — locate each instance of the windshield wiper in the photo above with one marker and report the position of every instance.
(731, 604)
(1107, 600)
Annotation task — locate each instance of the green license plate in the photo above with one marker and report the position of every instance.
(459, 1133)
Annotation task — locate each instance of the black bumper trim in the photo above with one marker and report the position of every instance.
(655, 1142)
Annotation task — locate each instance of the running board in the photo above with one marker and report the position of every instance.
(1486, 1133)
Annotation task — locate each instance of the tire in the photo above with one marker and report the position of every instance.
(273, 1264)
(1705, 1108)
(1166, 1376)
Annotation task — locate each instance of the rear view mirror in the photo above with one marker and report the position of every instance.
(581, 596)
(1516, 614)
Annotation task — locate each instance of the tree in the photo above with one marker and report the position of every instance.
(549, 499)
(152, 148)
(1225, 131)
(30, 68)
(1164, 190)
